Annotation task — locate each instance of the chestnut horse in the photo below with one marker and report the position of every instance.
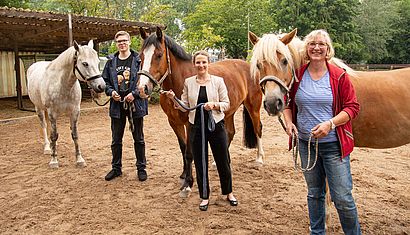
(166, 64)
(384, 119)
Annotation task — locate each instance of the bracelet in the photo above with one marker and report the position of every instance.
(332, 124)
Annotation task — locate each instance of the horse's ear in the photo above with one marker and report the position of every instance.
(143, 33)
(253, 38)
(76, 45)
(288, 37)
(91, 44)
(159, 34)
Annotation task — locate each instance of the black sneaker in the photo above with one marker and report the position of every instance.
(113, 174)
(142, 175)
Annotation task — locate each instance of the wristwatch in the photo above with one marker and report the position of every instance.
(332, 126)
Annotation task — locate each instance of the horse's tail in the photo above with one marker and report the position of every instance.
(249, 136)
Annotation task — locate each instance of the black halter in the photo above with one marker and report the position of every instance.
(151, 78)
(75, 68)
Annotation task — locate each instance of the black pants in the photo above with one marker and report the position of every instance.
(219, 146)
(117, 129)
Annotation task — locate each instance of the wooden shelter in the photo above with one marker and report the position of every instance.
(24, 30)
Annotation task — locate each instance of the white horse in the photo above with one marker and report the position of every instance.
(53, 87)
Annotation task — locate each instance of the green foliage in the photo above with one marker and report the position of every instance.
(162, 14)
(13, 3)
(227, 20)
(398, 45)
(201, 39)
(374, 31)
(375, 22)
(335, 16)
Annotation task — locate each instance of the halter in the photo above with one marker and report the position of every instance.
(278, 81)
(152, 79)
(75, 68)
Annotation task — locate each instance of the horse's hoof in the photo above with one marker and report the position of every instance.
(81, 164)
(185, 192)
(53, 165)
(259, 162)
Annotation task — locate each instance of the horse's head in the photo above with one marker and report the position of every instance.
(272, 65)
(86, 66)
(155, 64)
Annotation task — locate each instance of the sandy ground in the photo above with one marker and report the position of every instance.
(35, 199)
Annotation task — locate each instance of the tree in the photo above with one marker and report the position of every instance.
(162, 14)
(335, 16)
(398, 45)
(375, 22)
(227, 19)
(13, 3)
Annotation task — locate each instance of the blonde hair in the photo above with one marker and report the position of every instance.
(201, 52)
(330, 53)
(122, 33)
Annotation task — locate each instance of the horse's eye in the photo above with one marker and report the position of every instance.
(259, 65)
(285, 62)
(159, 55)
(85, 64)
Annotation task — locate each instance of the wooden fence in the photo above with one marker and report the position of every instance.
(373, 67)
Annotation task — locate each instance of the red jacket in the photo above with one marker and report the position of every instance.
(344, 99)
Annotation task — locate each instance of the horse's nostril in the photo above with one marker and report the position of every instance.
(280, 105)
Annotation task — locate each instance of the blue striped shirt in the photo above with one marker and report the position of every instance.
(314, 100)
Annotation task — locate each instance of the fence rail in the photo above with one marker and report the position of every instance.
(369, 67)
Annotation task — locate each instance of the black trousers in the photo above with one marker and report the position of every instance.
(117, 129)
(219, 146)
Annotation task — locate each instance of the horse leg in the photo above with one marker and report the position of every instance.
(54, 136)
(74, 134)
(43, 122)
(253, 109)
(230, 128)
(186, 176)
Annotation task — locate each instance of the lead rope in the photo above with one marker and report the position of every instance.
(93, 93)
(211, 128)
(295, 151)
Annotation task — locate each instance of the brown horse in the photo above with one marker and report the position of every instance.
(384, 119)
(166, 64)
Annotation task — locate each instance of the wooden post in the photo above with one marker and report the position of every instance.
(70, 31)
(18, 78)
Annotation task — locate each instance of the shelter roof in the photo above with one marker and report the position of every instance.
(49, 32)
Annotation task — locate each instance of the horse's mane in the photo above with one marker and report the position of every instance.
(64, 59)
(267, 46)
(265, 50)
(176, 49)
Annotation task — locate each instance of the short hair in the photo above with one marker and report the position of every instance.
(201, 52)
(122, 33)
(310, 38)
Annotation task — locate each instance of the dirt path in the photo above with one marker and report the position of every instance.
(37, 200)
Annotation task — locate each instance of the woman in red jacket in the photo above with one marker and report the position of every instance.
(322, 105)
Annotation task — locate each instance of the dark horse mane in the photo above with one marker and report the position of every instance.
(176, 49)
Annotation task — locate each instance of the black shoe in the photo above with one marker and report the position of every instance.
(142, 175)
(113, 174)
(232, 202)
(204, 207)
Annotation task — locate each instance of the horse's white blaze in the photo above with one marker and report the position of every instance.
(148, 53)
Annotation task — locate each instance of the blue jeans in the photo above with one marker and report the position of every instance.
(337, 170)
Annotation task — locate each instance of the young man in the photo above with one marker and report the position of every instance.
(120, 75)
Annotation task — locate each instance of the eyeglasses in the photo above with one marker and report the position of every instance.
(121, 41)
(320, 44)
